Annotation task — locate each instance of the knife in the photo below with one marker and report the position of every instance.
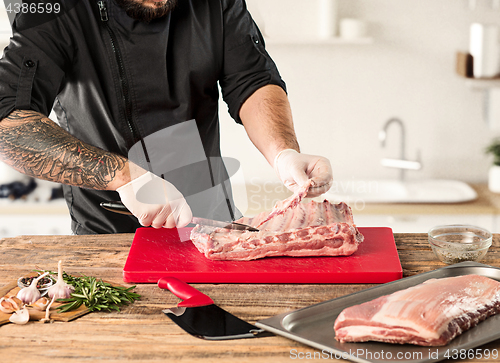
(200, 317)
(118, 207)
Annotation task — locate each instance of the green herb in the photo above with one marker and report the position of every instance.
(494, 149)
(95, 294)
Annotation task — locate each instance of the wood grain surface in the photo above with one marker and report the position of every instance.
(141, 332)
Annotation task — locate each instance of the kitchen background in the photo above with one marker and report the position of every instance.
(342, 91)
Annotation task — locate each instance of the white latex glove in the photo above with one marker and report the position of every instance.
(294, 169)
(155, 202)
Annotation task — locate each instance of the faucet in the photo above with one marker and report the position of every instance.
(400, 163)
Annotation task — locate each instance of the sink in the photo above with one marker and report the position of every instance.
(395, 191)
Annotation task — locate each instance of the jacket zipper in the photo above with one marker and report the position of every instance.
(103, 11)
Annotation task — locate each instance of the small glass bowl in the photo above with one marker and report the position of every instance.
(43, 288)
(457, 243)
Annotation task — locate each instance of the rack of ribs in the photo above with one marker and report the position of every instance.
(292, 228)
(429, 314)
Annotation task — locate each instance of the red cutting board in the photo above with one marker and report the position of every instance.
(156, 253)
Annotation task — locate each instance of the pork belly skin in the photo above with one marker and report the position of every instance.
(429, 314)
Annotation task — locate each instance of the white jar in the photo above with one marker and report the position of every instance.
(350, 28)
(485, 50)
(494, 179)
(327, 15)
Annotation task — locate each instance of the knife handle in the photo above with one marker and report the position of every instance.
(191, 296)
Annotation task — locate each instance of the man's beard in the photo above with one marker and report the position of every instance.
(136, 9)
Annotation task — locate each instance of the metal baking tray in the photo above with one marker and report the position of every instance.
(313, 325)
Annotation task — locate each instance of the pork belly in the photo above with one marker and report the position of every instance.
(428, 314)
(291, 229)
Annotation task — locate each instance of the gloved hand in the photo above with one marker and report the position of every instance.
(155, 202)
(294, 169)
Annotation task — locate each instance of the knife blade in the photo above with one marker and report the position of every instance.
(118, 207)
(199, 316)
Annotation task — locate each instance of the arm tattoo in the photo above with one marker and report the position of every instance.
(36, 146)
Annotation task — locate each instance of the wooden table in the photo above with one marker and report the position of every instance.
(140, 332)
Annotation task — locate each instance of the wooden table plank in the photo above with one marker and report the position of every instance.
(140, 332)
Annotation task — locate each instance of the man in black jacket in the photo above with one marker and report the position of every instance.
(128, 80)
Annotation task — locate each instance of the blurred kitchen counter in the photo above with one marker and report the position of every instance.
(263, 199)
(52, 218)
(20, 217)
(401, 217)
(418, 218)
(486, 203)
(57, 206)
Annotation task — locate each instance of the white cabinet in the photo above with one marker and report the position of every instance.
(412, 223)
(5, 29)
(4, 20)
(34, 218)
(34, 224)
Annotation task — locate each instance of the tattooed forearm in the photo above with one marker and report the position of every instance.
(35, 145)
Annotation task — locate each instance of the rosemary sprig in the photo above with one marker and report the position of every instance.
(95, 294)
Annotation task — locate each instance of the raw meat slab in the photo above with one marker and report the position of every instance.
(312, 325)
(156, 253)
(429, 314)
(305, 230)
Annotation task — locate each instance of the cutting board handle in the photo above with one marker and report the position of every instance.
(191, 296)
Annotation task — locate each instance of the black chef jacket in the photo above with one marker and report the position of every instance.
(113, 81)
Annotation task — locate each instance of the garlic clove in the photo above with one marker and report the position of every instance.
(47, 312)
(6, 306)
(16, 303)
(20, 316)
(10, 304)
(40, 304)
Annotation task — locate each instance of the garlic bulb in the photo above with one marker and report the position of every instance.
(61, 290)
(20, 316)
(30, 294)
